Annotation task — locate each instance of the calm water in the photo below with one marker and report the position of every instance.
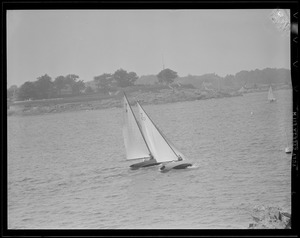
(68, 170)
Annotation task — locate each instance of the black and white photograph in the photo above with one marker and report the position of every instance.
(149, 119)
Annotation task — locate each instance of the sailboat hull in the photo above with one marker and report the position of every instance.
(174, 165)
(143, 164)
(288, 150)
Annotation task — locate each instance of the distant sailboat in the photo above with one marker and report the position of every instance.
(242, 90)
(271, 97)
(135, 143)
(288, 149)
(161, 148)
(204, 87)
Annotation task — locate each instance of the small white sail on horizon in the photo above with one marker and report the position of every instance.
(135, 145)
(242, 90)
(271, 95)
(158, 144)
(287, 148)
(204, 87)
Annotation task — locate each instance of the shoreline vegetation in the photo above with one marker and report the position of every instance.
(146, 94)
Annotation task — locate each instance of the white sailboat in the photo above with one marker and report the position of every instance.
(271, 97)
(242, 90)
(205, 88)
(288, 149)
(135, 143)
(161, 148)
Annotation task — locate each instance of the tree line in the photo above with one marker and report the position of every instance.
(70, 85)
(247, 79)
(44, 87)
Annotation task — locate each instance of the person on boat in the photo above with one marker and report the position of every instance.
(179, 158)
(151, 156)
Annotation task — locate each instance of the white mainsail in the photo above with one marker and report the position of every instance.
(157, 143)
(271, 95)
(135, 144)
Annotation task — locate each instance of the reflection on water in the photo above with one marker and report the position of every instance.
(68, 170)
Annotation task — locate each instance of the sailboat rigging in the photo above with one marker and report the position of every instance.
(135, 143)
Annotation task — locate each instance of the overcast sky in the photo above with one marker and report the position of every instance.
(92, 42)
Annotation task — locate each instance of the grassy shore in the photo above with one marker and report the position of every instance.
(145, 95)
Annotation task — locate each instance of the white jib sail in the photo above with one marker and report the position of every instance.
(178, 153)
(159, 147)
(135, 144)
(270, 94)
(175, 148)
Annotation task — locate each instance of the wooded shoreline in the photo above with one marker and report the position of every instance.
(162, 96)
